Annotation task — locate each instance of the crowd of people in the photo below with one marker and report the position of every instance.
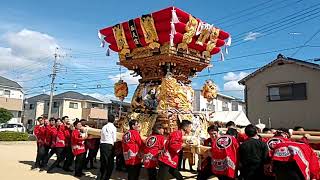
(232, 154)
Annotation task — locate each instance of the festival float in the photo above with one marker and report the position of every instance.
(166, 49)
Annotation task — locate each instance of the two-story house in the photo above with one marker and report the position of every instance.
(70, 103)
(284, 93)
(33, 108)
(11, 98)
(221, 103)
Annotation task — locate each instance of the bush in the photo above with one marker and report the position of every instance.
(13, 136)
(32, 137)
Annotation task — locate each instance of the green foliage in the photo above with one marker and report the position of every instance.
(5, 115)
(13, 136)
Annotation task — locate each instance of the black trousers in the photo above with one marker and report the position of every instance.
(106, 160)
(205, 173)
(164, 169)
(120, 162)
(152, 173)
(68, 157)
(287, 170)
(91, 155)
(80, 158)
(134, 172)
(40, 156)
(60, 157)
(46, 155)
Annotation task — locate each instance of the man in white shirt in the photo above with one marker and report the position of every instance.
(108, 138)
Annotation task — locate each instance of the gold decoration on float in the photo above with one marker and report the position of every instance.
(191, 29)
(149, 31)
(121, 89)
(213, 39)
(120, 37)
(209, 90)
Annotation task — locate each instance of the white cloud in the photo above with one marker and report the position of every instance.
(31, 44)
(231, 81)
(232, 86)
(26, 49)
(251, 36)
(126, 77)
(231, 76)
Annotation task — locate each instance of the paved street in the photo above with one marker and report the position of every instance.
(17, 158)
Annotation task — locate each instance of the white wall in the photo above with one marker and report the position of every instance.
(14, 93)
(201, 103)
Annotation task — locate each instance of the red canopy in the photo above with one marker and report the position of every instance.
(189, 32)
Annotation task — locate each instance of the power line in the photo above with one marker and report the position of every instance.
(242, 11)
(314, 35)
(254, 17)
(279, 21)
(261, 8)
(267, 52)
(278, 30)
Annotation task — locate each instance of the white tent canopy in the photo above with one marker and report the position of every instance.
(238, 117)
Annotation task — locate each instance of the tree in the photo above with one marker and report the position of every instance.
(5, 115)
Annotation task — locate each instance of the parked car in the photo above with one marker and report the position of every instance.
(16, 127)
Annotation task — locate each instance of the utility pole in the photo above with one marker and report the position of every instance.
(53, 76)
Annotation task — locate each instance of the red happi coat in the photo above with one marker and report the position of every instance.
(271, 143)
(315, 146)
(131, 144)
(225, 158)
(60, 140)
(91, 143)
(77, 143)
(53, 135)
(173, 146)
(242, 137)
(49, 133)
(302, 154)
(67, 134)
(154, 144)
(39, 132)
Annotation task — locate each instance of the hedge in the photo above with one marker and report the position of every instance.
(13, 136)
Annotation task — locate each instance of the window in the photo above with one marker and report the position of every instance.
(7, 93)
(234, 106)
(73, 105)
(55, 104)
(94, 105)
(19, 114)
(286, 92)
(210, 107)
(31, 106)
(225, 106)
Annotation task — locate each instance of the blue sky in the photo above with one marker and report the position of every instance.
(74, 25)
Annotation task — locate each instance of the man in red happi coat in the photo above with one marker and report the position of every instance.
(295, 161)
(132, 147)
(168, 159)
(154, 144)
(59, 139)
(39, 132)
(78, 148)
(205, 167)
(224, 155)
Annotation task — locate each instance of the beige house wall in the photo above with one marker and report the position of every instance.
(11, 104)
(94, 113)
(71, 112)
(284, 113)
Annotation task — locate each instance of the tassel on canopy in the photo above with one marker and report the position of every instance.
(228, 43)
